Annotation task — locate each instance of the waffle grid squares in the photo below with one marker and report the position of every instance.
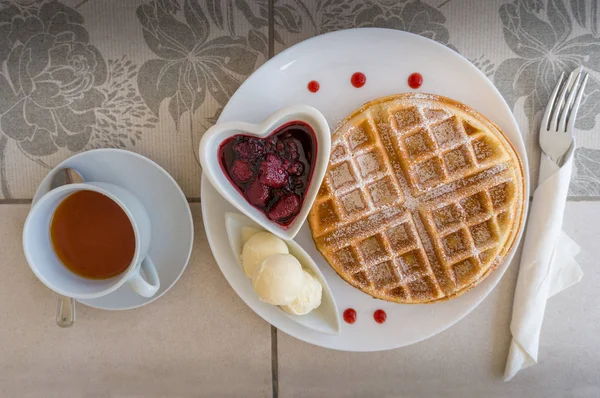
(470, 221)
(405, 264)
(423, 249)
(356, 153)
(438, 151)
(358, 162)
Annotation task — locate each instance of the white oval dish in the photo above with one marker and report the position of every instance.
(211, 166)
(325, 318)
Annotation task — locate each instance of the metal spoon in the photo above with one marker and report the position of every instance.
(65, 313)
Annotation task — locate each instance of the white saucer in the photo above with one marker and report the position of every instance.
(387, 58)
(172, 225)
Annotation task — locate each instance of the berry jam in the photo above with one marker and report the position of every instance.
(380, 316)
(272, 173)
(313, 86)
(350, 315)
(358, 79)
(415, 80)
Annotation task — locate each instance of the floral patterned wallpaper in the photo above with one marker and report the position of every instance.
(57, 92)
(152, 75)
(190, 66)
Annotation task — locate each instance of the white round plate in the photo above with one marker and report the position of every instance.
(387, 58)
(172, 225)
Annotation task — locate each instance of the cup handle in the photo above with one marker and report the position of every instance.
(140, 285)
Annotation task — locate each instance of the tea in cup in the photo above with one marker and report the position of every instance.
(86, 240)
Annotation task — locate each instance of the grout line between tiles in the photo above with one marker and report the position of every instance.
(583, 198)
(15, 201)
(274, 363)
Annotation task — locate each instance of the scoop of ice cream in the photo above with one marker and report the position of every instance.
(258, 247)
(309, 298)
(247, 232)
(279, 279)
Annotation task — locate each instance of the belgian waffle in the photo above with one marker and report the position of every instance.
(422, 199)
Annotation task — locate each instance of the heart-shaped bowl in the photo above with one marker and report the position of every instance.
(213, 163)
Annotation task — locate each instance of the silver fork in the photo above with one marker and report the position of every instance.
(543, 235)
(556, 130)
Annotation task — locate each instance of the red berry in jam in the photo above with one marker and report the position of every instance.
(258, 194)
(272, 176)
(284, 208)
(249, 150)
(296, 169)
(291, 146)
(273, 159)
(272, 173)
(241, 171)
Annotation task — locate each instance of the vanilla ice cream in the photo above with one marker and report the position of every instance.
(309, 298)
(258, 247)
(279, 279)
(247, 233)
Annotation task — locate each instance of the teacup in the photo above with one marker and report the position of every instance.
(46, 265)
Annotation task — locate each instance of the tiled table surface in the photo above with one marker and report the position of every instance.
(150, 76)
(200, 339)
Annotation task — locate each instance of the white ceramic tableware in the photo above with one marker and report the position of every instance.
(165, 203)
(387, 57)
(323, 319)
(211, 166)
(46, 265)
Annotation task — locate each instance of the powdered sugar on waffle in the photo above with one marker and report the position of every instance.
(379, 170)
(411, 203)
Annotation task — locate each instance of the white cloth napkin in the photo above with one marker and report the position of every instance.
(547, 264)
